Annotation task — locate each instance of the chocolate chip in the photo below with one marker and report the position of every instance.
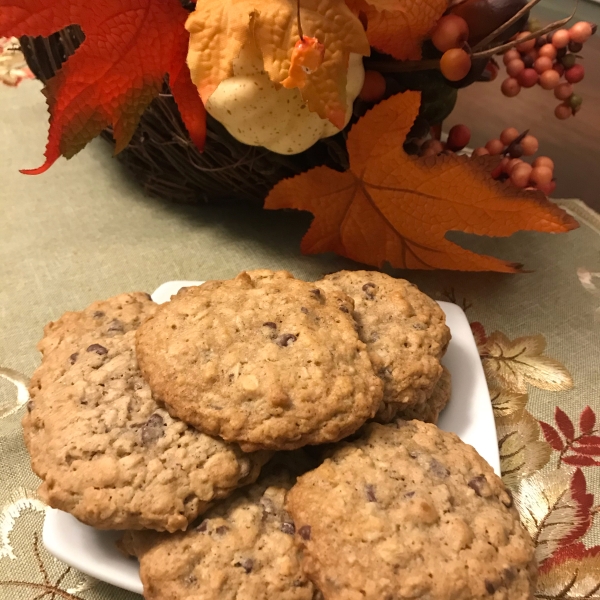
(304, 532)
(115, 326)
(153, 430)
(288, 528)
(344, 309)
(191, 579)
(270, 324)
(30, 405)
(370, 491)
(409, 494)
(98, 314)
(246, 564)
(411, 453)
(509, 574)
(369, 290)
(316, 292)
(438, 469)
(221, 530)
(489, 586)
(97, 348)
(304, 310)
(203, 526)
(477, 484)
(286, 339)
(268, 507)
(73, 357)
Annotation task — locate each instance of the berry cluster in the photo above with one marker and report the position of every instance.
(512, 146)
(545, 61)
(449, 37)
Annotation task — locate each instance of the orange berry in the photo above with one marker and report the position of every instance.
(544, 161)
(525, 46)
(580, 32)
(508, 135)
(494, 147)
(549, 79)
(563, 111)
(514, 67)
(561, 38)
(510, 87)
(455, 64)
(511, 55)
(549, 51)
(451, 31)
(563, 91)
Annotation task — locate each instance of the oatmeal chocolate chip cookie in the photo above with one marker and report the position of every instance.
(243, 549)
(108, 318)
(270, 363)
(109, 455)
(429, 411)
(405, 332)
(410, 511)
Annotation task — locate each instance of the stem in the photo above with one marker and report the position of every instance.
(299, 21)
(492, 36)
(409, 66)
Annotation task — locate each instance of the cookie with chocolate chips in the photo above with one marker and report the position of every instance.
(243, 549)
(106, 451)
(410, 511)
(265, 361)
(429, 410)
(405, 332)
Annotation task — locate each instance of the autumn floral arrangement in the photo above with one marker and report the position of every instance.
(328, 106)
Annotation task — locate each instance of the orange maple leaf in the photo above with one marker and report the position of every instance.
(398, 27)
(393, 207)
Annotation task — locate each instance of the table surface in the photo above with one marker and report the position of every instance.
(85, 231)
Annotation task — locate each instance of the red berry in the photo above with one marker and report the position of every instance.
(455, 64)
(542, 64)
(548, 50)
(508, 135)
(458, 137)
(373, 88)
(561, 38)
(510, 87)
(575, 74)
(514, 67)
(494, 147)
(530, 145)
(549, 79)
(580, 32)
(525, 46)
(451, 31)
(563, 111)
(563, 91)
(528, 78)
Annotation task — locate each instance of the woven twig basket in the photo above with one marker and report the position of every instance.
(162, 157)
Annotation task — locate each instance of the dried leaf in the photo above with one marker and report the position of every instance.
(564, 423)
(571, 578)
(550, 510)
(390, 207)
(552, 436)
(521, 450)
(129, 47)
(513, 364)
(398, 27)
(506, 403)
(587, 420)
(219, 28)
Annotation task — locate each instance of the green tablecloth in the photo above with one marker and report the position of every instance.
(85, 231)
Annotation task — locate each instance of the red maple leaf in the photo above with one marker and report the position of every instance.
(129, 47)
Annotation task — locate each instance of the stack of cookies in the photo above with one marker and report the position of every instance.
(269, 438)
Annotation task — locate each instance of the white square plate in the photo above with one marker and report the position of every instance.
(468, 414)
